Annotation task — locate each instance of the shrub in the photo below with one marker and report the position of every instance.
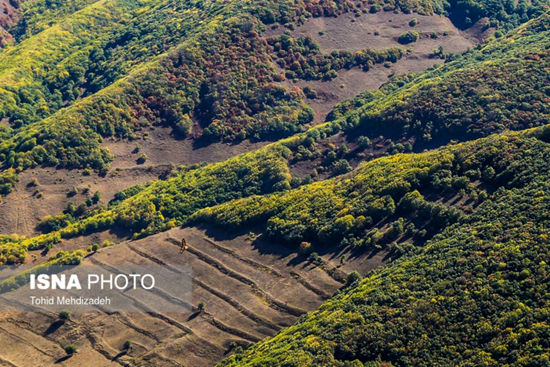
(408, 37)
(72, 192)
(331, 74)
(183, 127)
(64, 315)
(71, 349)
(142, 159)
(342, 166)
(363, 142)
(305, 247)
(96, 197)
(375, 8)
(34, 182)
(8, 179)
(314, 258)
(353, 278)
(54, 223)
(310, 93)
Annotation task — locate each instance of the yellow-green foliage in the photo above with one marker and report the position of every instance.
(165, 204)
(197, 78)
(12, 251)
(41, 14)
(398, 198)
(500, 85)
(170, 202)
(476, 294)
(61, 258)
(48, 55)
(71, 136)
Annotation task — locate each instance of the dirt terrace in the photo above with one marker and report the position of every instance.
(251, 289)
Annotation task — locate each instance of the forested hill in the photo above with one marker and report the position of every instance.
(500, 85)
(469, 285)
(476, 294)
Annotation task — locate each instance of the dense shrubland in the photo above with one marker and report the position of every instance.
(502, 14)
(301, 58)
(476, 294)
(38, 15)
(380, 219)
(472, 103)
(391, 202)
(212, 79)
(469, 222)
(229, 90)
(62, 258)
(84, 53)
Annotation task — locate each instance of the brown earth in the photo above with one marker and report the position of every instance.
(162, 148)
(252, 288)
(22, 210)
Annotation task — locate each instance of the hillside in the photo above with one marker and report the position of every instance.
(297, 147)
(48, 108)
(476, 294)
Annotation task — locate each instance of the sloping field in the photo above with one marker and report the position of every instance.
(250, 288)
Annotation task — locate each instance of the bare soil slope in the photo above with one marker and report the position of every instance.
(251, 289)
(377, 31)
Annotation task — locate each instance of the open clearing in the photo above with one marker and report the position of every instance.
(376, 31)
(22, 210)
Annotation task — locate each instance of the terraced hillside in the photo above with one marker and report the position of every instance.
(250, 293)
(292, 148)
(252, 287)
